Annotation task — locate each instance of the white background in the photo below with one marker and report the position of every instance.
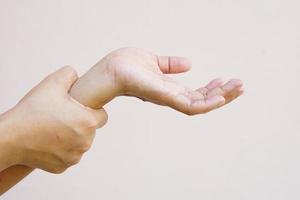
(248, 150)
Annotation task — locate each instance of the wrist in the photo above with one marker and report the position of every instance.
(97, 87)
(9, 152)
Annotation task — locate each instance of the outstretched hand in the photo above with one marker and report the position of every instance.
(127, 71)
(136, 72)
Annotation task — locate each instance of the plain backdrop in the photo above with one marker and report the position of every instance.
(247, 150)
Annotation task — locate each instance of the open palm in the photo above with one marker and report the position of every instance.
(139, 73)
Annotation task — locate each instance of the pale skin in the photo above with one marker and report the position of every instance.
(53, 131)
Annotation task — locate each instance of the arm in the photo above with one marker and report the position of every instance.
(12, 175)
(135, 72)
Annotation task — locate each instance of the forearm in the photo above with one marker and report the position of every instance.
(12, 175)
(5, 157)
(131, 71)
(9, 174)
(87, 90)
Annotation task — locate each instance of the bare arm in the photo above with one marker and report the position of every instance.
(12, 175)
(135, 72)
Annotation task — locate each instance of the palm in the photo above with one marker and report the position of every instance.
(142, 74)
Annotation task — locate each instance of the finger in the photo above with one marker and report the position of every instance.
(234, 94)
(183, 99)
(65, 77)
(207, 105)
(231, 90)
(100, 115)
(214, 83)
(210, 86)
(173, 64)
(96, 117)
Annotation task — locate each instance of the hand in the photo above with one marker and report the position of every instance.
(49, 130)
(135, 72)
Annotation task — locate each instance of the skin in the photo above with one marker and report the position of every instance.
(49, 133)
(129, 72)
(47, 129)
(139, 73)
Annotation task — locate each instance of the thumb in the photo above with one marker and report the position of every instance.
(173, 64)
(65, 77)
